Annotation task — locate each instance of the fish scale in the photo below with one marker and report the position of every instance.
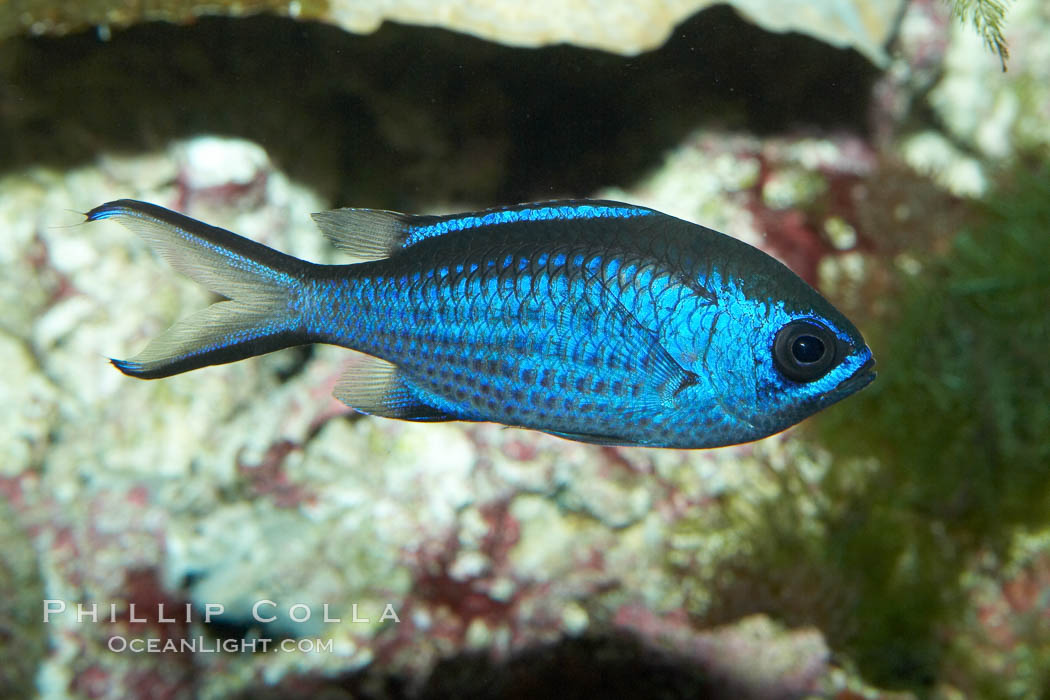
(597, 321)
(497, 358)
(523, 296)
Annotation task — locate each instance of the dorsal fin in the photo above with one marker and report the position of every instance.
(373, 234)
(370, 234)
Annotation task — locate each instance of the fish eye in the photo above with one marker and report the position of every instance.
(807, 349)
(804, 351)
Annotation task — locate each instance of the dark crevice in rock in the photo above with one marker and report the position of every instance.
(615, 665)
(409, 114)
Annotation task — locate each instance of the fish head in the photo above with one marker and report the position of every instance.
(776, 354)
(809, 361)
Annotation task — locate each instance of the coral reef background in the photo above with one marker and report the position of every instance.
(896, 546)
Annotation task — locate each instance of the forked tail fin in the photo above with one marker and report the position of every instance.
(261, 284)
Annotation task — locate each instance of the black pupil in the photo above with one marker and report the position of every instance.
(807, 349)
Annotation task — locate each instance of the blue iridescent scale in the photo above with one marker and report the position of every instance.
(555, 326)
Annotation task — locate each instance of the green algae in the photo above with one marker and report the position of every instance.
(942, 460)
(960, 405)
(959, 424)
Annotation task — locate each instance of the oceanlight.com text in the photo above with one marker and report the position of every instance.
(203, 645)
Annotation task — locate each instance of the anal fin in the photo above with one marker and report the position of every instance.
(595, 439)
(377, 387)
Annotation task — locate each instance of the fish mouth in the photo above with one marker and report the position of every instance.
(864, 376)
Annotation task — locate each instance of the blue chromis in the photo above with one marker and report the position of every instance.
(592, 320)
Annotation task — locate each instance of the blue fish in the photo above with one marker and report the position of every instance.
(592, 320)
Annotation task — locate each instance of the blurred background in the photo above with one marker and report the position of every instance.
(895, 546)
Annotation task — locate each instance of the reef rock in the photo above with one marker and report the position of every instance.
(619, 26)
(388, 547)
